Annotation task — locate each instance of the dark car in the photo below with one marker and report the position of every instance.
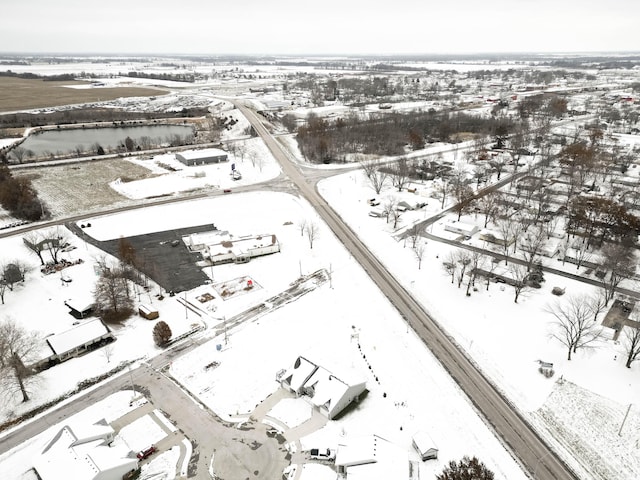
(142, 454)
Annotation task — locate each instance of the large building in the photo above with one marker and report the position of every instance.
(205, 156)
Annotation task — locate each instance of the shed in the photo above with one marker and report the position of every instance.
(80, 308)
(425, 446)
(148, 312)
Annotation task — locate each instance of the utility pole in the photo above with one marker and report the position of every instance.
(624, 420)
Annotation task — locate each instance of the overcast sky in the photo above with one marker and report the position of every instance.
(326, 26)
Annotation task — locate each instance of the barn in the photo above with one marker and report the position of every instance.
(205, 156)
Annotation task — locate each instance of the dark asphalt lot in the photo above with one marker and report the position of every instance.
(173, 267)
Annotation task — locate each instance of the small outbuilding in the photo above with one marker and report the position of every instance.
(425, 446)
(205, 156)
(148, 312)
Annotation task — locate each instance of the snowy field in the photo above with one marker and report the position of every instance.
(348, 327)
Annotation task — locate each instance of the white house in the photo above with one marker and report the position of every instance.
(329, 394)
(372, 457)
(76, 340)
(83, 453)
(461, 228)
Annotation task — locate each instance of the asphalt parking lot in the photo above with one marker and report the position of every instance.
(161, 256)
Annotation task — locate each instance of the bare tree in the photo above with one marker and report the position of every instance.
(107, 352)
(414, 234)
(619, 260)
(573, 327)
(34, 242)
(506, 230)
(400, 174)
(418, 250)
(531, 246)
(477, 262)
(489, 206)
(3, 290)
(442, 190)
(493, 264)
(450, 264)
(302, 225)
(313, 231)
(389, 207)
(18, 348)
(463, 258)
(519, 276)
(56, 240)
(112, 294)
(376, 176)
(631, 343)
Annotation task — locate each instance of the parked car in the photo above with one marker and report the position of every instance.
(147, 452)
(322, 454)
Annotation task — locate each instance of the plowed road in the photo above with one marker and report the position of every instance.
(533, 454)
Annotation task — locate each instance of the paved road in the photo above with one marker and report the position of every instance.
(532, 452)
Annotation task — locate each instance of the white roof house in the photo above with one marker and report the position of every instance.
(324, 390)
(83, 453)
(371, 458)
(70, 342)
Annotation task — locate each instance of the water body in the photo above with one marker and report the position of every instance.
(109, 138)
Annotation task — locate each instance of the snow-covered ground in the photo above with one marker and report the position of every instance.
(348, 326)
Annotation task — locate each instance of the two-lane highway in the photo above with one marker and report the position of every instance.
(515, 432)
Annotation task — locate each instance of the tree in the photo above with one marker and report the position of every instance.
(302, 226)
(532, 245)
(631, 343)
(129, 144)
(466, 469)
(450, 264)
(112, 294)
(489, 205)
(442, 190)
(418, 250)
(18, 347)
(619, 260)
(161, 333)
(519, 280)
(126, 252)
(506, 229)
(34, 242)
(389, 207)
(376, 176)
(13, 272)
(313, 231)
(400, 174)
(574, 326)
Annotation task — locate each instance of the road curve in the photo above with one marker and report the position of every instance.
(515, 432)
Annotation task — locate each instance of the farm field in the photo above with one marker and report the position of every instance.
(78, 188)
(23, 94)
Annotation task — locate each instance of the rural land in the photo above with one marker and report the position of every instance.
(320, 268)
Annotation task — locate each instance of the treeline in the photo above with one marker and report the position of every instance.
(88, 115)
(321, 140)
(18, 197)
(33, 76)
(175, 77)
